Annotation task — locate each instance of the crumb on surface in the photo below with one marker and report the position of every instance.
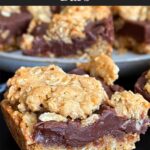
(102, 66)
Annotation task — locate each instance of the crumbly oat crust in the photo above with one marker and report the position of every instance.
(147, 85)
(132, 105)
(72, 21)
(125, 43)
(134, 13)
(40, 13)
(98, 12)
(101, 46)
(25, 142)
(51, 89)
(102, 66)
(8, 10)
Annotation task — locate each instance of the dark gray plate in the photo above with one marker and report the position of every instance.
(128, 63)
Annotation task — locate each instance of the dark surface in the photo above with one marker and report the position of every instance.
(7, 142)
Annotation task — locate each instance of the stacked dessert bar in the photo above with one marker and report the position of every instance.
(15, 20)
(132, 28)
(48, 109)
(74, 31)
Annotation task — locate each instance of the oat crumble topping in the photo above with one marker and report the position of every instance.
(128, 104)
(141, 13)
(8, 10)
(40, 13)
(102, 66)
(50, 89)
(72, 21)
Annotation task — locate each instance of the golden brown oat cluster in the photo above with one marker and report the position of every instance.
(128, 43)
(7, 10)
(40, 13)
(102, 66)
(51, 89)
(134, 13)
(128, 104)
(72, 21)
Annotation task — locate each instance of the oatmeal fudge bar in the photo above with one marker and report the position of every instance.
(13, 22)
(48, 109)
(132, 28)
(42, 16)
(75, 31)
(142, 85)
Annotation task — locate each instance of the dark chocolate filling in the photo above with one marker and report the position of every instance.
(73, 134)
(40, 29)
(93, 30)
(56, 9)
(16, 24)
(139, 86)
(138, 30)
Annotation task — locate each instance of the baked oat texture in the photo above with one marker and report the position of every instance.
(20, 130)
(131, 105)
(40, 13)
(124, 43)
(102, 66)
(134, 13)
(147, 85)
(50, 89)
(69, 24)
(7, 10)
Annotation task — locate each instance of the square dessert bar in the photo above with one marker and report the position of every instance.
(132, 28)
(142, 85)
(48, 109)
(14, 21)
(74, 31)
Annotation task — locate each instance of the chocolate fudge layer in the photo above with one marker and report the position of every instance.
(67, 35)
(132, 31)
(138, 30)
(142, 84)
(14, 21)
(72, 133)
